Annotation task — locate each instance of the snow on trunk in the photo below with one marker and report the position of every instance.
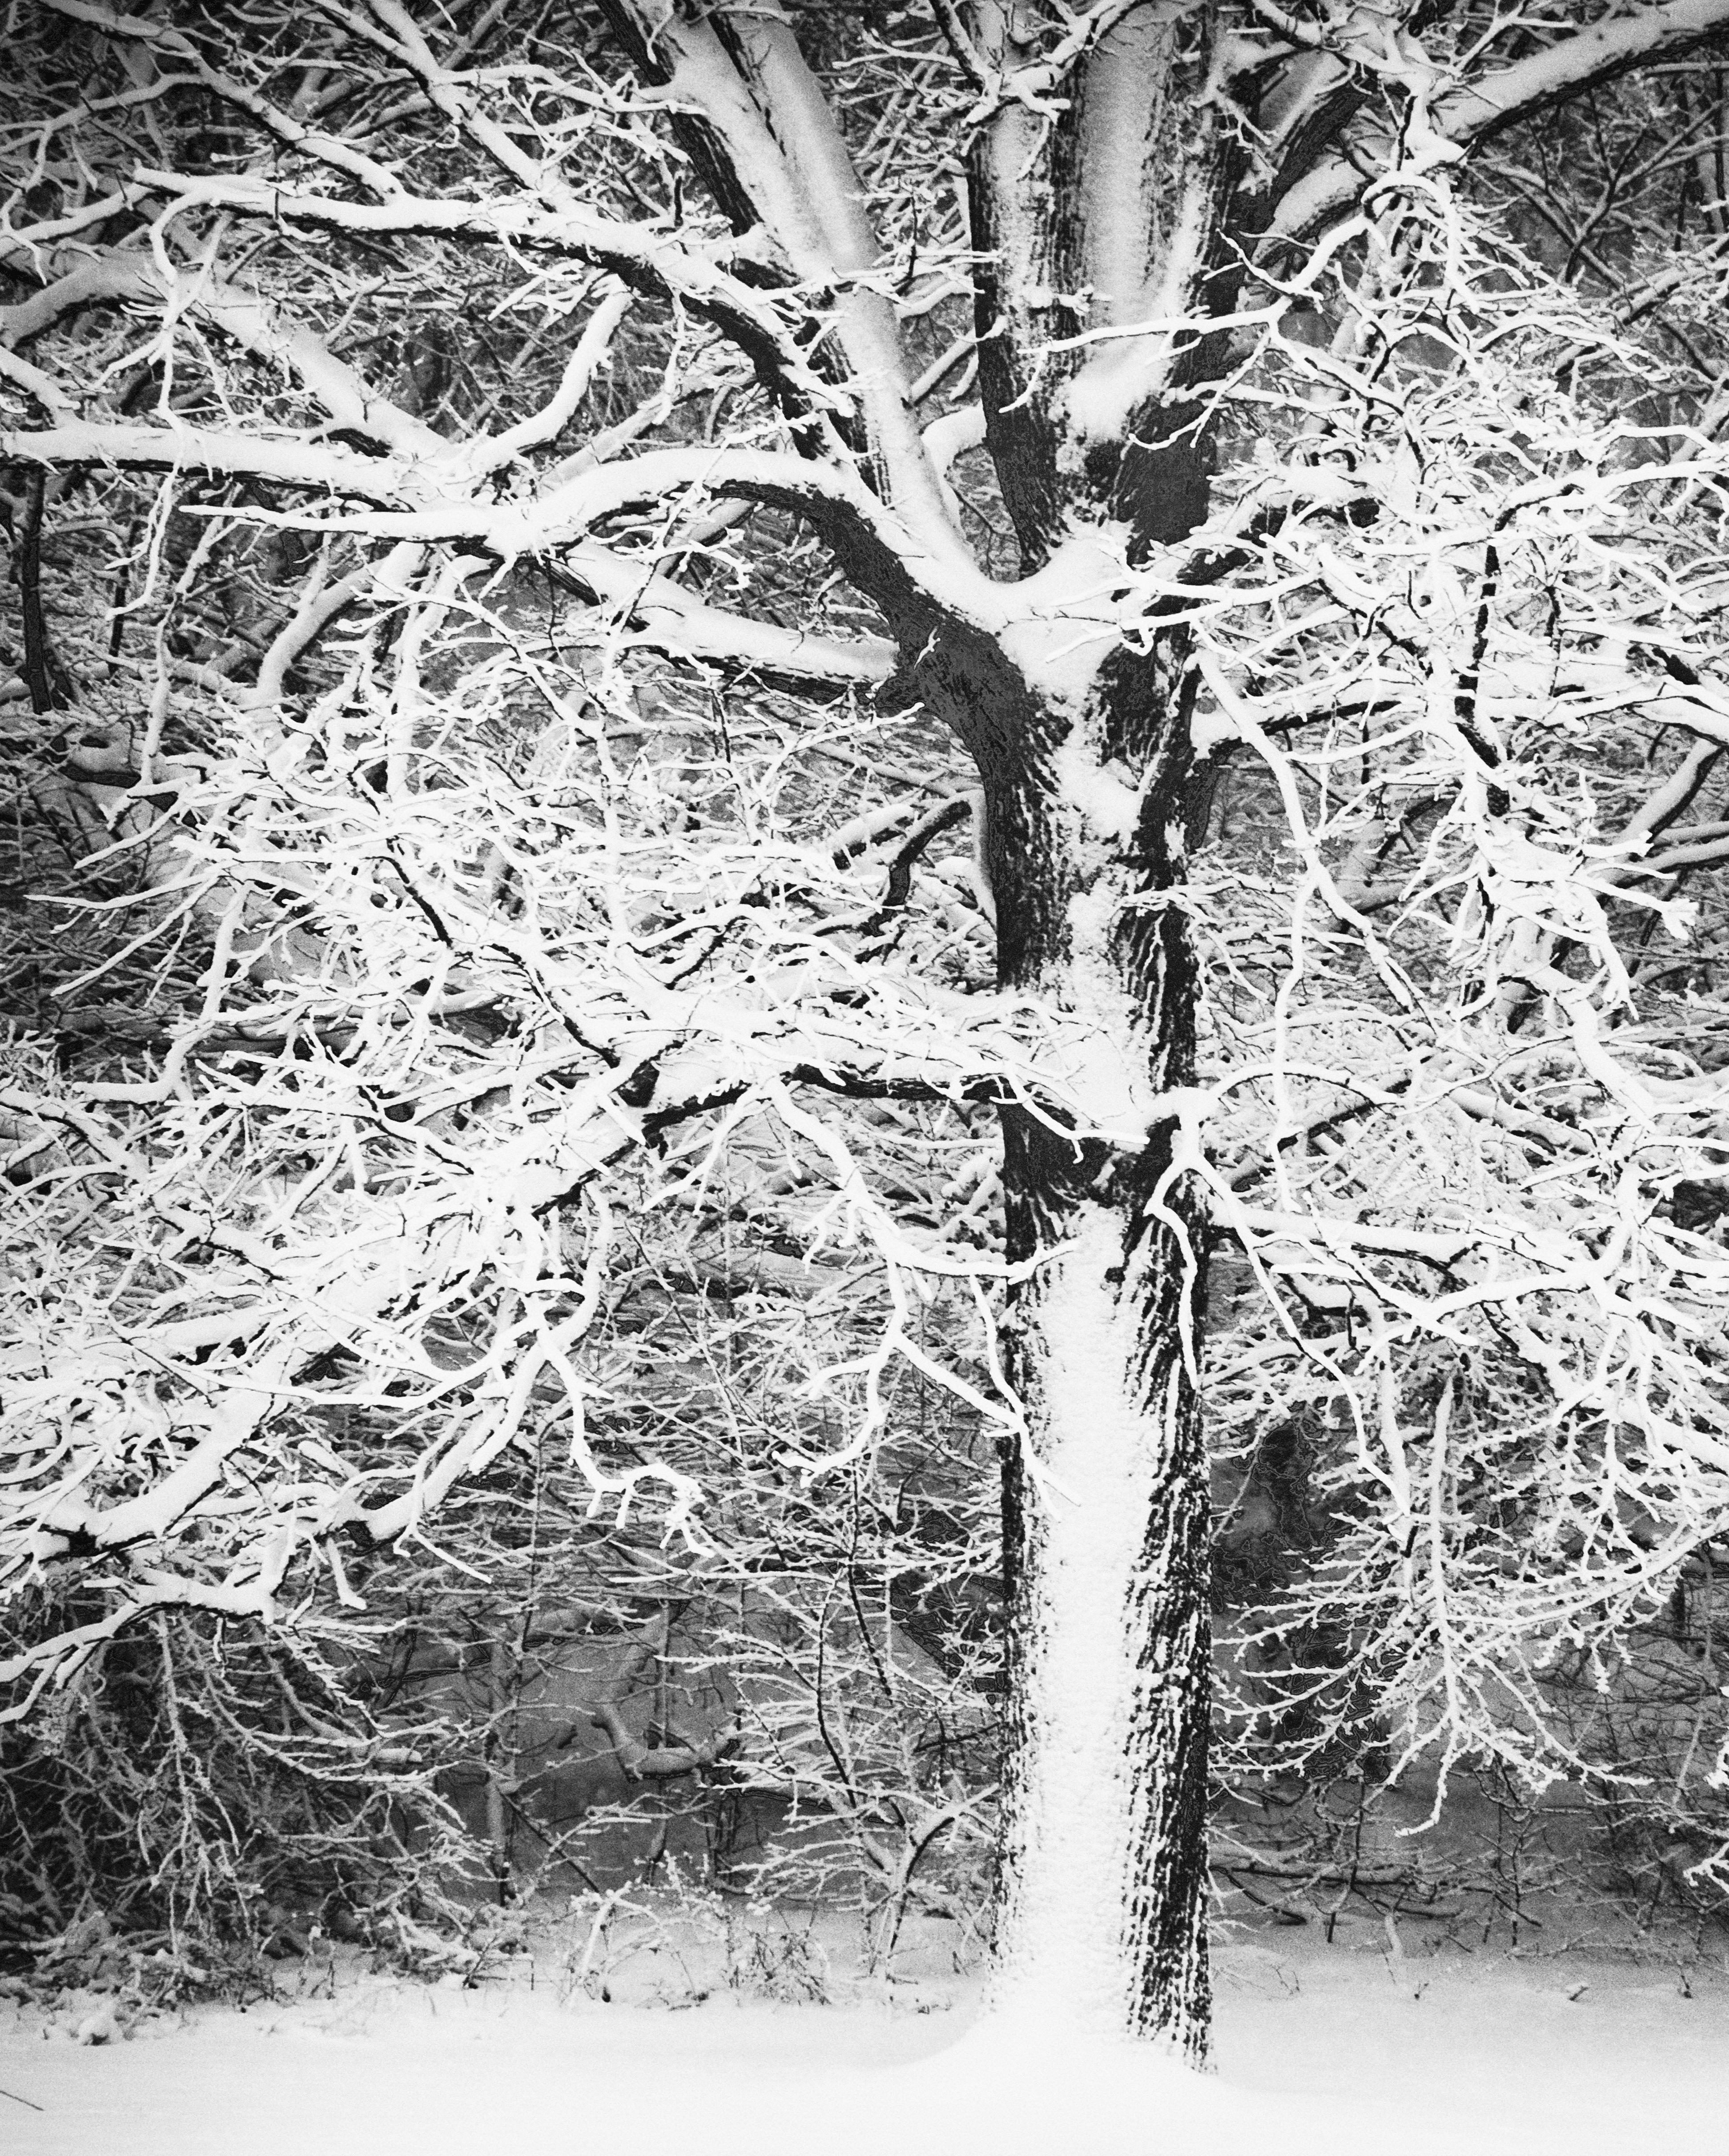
(1102, 1929)
(1087, 771)
(1102, 1905)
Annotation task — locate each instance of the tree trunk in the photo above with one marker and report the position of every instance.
(1106, 1502)
(1104, 1916)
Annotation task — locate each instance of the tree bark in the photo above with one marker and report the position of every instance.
(1103, 1916)
(1105, 1497)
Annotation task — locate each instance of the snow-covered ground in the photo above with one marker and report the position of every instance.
(1338, 2048)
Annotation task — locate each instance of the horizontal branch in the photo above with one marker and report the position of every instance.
(284, 460)
(647, 257)
(1584, 59)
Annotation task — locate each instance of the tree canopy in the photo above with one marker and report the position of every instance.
(752, 737)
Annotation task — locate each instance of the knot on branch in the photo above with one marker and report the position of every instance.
(660, 1754)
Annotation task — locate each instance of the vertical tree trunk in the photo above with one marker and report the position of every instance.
(1106, 1502)
(1104, 1915)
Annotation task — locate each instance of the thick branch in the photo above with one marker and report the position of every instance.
(1583, 61)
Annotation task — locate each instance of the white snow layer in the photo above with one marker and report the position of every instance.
(1322, 2051)
(1095, 1468)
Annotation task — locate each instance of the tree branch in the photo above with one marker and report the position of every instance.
(1469, 114)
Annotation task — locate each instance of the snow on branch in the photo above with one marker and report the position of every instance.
(1463, 113)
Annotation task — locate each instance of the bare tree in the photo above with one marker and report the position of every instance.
(1141, 378)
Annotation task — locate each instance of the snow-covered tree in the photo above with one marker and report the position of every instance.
(590, 509)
